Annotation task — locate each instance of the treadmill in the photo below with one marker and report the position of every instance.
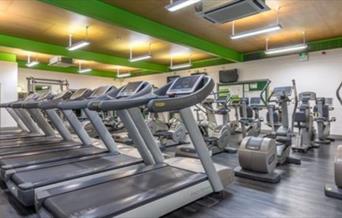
(77, 149)
(23, 181)
(42, 144)
(27, 127)
(144, 191)
(31, 107)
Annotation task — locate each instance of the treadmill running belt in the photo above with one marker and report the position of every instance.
(118, 196)
(20, 161)
(29, 141)
(48, 175)
(35, 148)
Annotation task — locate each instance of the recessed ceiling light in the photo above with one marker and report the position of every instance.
(179, 4)
(122, 75)
(78, 45)
(256, 31)
(286, 49)
(140, 58)
(30, 63)
(180, 66)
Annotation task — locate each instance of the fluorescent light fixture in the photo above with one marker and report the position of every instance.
(256, 32)
(140, 58)
(286, 49)
(180, 66)
(179, 4)
(78, 45)
(123, 75)
(32, 63)
(85, 70)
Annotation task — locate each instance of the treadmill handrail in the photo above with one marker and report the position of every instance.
(138, 99)
(83, 104)
(119, 104)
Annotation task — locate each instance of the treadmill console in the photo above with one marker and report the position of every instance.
(44, 96)
(329, 101)
(255, 101)
(281, 91)
(100, 91)
(62, 95)
(130, 89)
(80, 93)
(184, 85)
(306, 96)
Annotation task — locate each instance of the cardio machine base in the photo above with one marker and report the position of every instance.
(189, 151)
(304, 148)
(333, 191)
(273, 177)
(230, 150)
(322, 142)
(172, 144)
(292, 160)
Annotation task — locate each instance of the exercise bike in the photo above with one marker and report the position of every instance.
(322, 110)
(250, 119)
(303, 120)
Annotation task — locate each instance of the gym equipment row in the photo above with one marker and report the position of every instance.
(86, 178)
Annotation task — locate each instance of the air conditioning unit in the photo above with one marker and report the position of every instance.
(59, 61)
(218, 12)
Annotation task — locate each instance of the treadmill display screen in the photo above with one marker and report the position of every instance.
(130, 89)
(285, 90)
(78, 94)
(100, 91)
(255, 101)
(184, 85)
(329, 101)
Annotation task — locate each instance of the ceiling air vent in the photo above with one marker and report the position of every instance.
(232, 10)
(59, 61)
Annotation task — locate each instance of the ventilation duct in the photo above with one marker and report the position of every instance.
(218, 12)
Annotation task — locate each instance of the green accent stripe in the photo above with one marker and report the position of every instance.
(209, 62)
(117, 16)
(317, 45)
(325, 44)
(8, 57)
(34, 46)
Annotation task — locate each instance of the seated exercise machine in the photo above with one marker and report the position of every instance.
(259, 156)
(335, 190)
(322, 109)
(168, 133)
(249, 116)
(218, 137)
(151, 190)
(235, 124)
(303, 121)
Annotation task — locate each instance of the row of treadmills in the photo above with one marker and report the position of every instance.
(72, 175)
